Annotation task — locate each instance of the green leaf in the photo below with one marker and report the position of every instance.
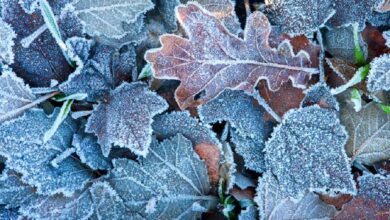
(65, 109)
(146, 72)
(356, 99)
(51, 22)
(228, 211)
(359, 56)
(77, 96)
(385, 108)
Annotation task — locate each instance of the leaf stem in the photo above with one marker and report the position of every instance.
(321, 57)
(17, 111)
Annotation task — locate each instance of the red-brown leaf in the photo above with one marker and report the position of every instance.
(212, 59)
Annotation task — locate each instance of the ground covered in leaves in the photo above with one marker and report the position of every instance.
(204, 109)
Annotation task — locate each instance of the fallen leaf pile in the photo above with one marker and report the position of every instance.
(201, 109)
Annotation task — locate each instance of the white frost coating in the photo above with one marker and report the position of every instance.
(172, 173)
(379, 76)
(320, 92)
(107, 203)
(369, 131)
(298, 17)
(386, 35)
(211, 58)
(14, 94)
(21, 143)
(106, 18)
(275, 204)
(299, 151)
(7, 36)
(125, 118)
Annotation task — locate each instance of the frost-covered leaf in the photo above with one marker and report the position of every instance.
(227, 169)
(223, 10)
(249, 213)
(90, 152)
(371, 202)
(212, 59)
(79, 46)
(7, 36)
(379, 75)
(237, 108)
(77, 206)
(21, 142)
(8, 214)
(340, 43)
(13, 193)
(251, 149)
(14, 94)
(246, 119)
(352, 11)
(320, 94)
(108, 17)
(369, 132)
(107, 203)
(275, 204)
(125, 117)
(29, 6)
(170, 183)
(386, 35)
(38, 58)
(299, 17)
(100, 73)
(299, 151)
(170, 124)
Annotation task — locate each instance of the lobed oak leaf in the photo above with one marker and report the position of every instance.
(212, 59)
(124, 118)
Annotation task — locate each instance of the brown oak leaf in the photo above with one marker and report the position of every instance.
(212, 59)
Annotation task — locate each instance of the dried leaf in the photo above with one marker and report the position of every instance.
(375, 41)
(299, 151)
(108, 17)
(206, 62)
(14, 94)
(125, 117)
(372, 201)
(212, 157)
(369, 139)
(275, 204)
(299, 17)
(171, 182)
(21, 143)
(379, 76)
(7, 36)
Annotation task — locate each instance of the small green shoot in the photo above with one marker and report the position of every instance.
(146, 72)
(64, 112)
(356, 99)
(359, 56)
(54, 29)
(385, 108)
